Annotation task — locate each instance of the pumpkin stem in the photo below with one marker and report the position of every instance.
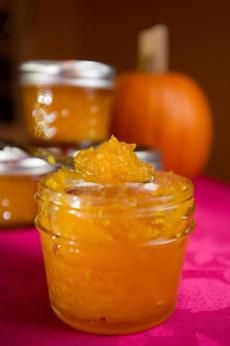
(153, 49)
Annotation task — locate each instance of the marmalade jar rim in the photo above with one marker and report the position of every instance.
(75, 204)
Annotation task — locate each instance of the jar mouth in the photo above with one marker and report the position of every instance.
(165, 192)
(137, 213)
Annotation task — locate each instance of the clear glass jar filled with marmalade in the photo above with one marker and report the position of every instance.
(114, 234)
(66, 102)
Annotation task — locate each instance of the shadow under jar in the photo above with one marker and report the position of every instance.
(66, 102)
(114, 254)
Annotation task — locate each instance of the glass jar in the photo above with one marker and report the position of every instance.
(114, 254)
(66, 102)
(19, 174)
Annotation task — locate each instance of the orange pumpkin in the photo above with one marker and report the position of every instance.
(168, 112)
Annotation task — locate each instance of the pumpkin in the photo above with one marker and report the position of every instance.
(168, 112)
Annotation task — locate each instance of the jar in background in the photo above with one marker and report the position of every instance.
(114, 254)
(149, 155)
(66, 102)
(19, 174)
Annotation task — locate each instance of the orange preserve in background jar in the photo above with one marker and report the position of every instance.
(114, 234)
(19, 175)
(66, 102)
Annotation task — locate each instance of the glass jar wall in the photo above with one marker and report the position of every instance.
(114, 254)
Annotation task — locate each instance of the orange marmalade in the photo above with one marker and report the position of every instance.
(66, 102)
(66, 114)
(114, 234)
(17, 203)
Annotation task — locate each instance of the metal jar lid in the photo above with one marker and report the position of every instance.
(82, 73)
(16, 161)
(150, 156)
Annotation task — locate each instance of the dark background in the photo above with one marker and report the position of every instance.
(107, 31)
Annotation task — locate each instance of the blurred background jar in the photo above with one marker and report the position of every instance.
(19, 174)
(149, 155)
(66, 102)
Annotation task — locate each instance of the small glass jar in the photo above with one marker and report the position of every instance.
(19, 174)
(114, 254)
(66, 102)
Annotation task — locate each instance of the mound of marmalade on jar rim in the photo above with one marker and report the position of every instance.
(112, 162)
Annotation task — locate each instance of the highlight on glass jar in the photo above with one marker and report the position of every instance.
(19, 174)
(113, 252)
(66, 102)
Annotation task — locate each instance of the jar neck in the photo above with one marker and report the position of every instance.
(131, 212)
(127, 197)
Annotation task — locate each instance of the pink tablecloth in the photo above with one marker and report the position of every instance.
(202, 316)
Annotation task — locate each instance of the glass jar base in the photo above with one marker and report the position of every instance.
(108, 328)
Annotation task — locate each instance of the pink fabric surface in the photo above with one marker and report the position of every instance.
(202, 316)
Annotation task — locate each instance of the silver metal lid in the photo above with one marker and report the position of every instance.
(16, 161)
(82, 73)
(150, 155)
